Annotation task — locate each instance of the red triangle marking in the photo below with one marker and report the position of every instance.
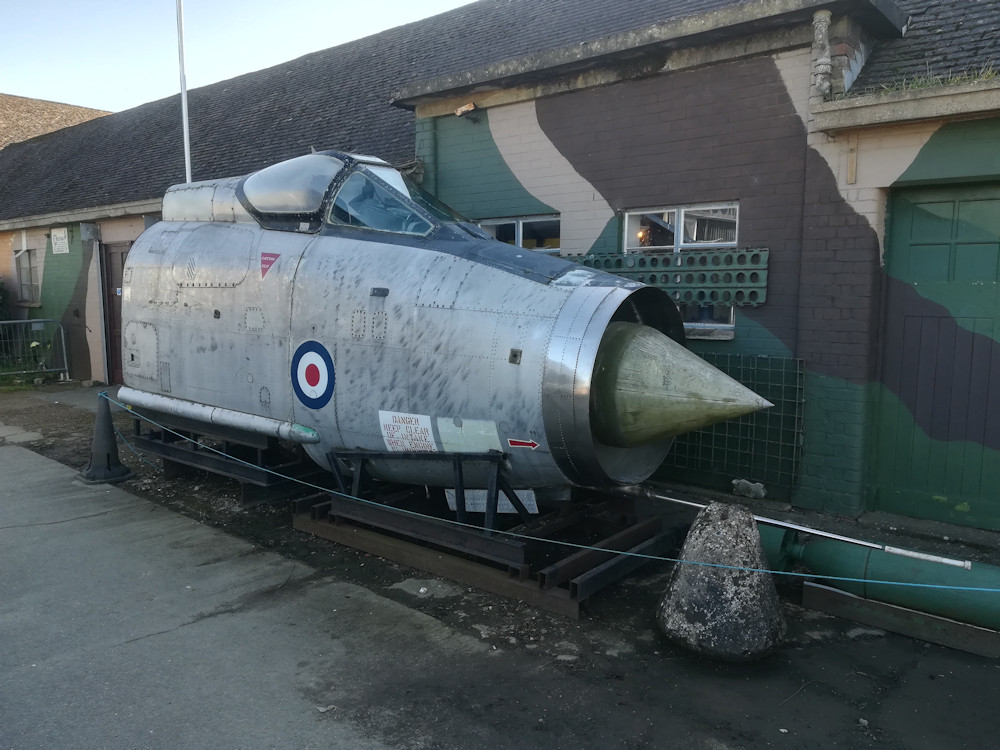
(266, 261)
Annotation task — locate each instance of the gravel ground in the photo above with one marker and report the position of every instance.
(831, 683)
(67, 436)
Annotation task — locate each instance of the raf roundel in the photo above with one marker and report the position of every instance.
(312, 374)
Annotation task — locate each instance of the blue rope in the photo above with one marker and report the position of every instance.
(528, 537)
(132, 448)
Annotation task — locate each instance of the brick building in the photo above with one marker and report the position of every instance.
(779, 139)
(816, 184)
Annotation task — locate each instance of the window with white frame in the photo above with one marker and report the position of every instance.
(710, 225)
(27, 276)
(534, 232)
(680, 229)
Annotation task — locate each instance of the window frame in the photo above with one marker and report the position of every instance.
(33, 283)
(519, 222)
(679, 245)
(713, 329)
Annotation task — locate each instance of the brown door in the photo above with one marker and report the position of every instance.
(113, 262)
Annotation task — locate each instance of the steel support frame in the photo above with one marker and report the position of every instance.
(496, 482)
(261, 479)
(561, 586)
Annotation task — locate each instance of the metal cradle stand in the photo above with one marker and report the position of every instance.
(496, 483)
(525, 559)
(254, 460)
(522, 557)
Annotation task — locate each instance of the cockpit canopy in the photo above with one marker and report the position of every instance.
(334, 189)
(293, 187)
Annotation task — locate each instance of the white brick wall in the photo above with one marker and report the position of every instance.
(547, 175)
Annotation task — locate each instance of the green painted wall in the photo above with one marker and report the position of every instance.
(609, 241)
(60, 277)
(750, 338)
(834, 460)
(957, 152)
(464, 167)
(910, 484)
(469, 174)
(839, 446)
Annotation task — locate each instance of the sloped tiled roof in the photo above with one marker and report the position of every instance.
(946, 40)
(22, 118)
(336, 98)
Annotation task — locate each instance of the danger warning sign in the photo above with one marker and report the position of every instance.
(407, 432)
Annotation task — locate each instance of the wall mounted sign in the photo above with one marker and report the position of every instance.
(60, 241)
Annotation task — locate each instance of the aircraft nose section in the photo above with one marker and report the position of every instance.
(647, 388)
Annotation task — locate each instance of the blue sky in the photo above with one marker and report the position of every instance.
(117, 54)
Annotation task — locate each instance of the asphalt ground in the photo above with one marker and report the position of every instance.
(125, 624)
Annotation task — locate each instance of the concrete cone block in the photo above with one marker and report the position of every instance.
(721, 613)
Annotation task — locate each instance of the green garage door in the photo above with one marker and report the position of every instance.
(937, 417)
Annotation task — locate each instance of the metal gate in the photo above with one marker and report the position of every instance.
(33, 346)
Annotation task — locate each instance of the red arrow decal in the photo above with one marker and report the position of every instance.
(522, 443)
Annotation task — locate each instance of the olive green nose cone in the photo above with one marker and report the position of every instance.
(647, 388)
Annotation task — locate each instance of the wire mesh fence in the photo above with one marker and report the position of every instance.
(32, 346)
(762, 447)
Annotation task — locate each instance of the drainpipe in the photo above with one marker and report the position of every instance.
(429, 155)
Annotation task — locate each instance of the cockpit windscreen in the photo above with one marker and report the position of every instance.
(296, 186)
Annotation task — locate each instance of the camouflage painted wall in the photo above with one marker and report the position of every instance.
(70, 287)
(735, 131)
(937, 403)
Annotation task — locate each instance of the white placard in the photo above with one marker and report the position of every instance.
(60, 241)
(468, 435)
(407, 432)
(475, 501)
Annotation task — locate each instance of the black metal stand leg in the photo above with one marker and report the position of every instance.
(358, 476)
(514, 499)
(491, 497)
(338, 475)
(460, 512)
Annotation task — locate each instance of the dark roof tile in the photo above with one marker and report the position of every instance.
(335, 98)
(946, 40)
(22, 118)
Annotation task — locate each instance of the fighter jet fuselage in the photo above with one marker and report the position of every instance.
(329, 301)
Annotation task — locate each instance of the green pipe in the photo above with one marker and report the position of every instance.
(825, 557)
(777, 542)
(843, 557)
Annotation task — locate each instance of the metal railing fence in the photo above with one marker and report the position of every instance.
(32, 346)
(765, 446)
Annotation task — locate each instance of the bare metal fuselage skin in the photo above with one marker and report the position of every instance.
(432, 338)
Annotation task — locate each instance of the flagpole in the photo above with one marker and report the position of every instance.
(184, 95)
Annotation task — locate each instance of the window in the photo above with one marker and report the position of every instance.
(27, 276)
(361, 202)
(533, 232)
(703, 226)
(683, 229)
